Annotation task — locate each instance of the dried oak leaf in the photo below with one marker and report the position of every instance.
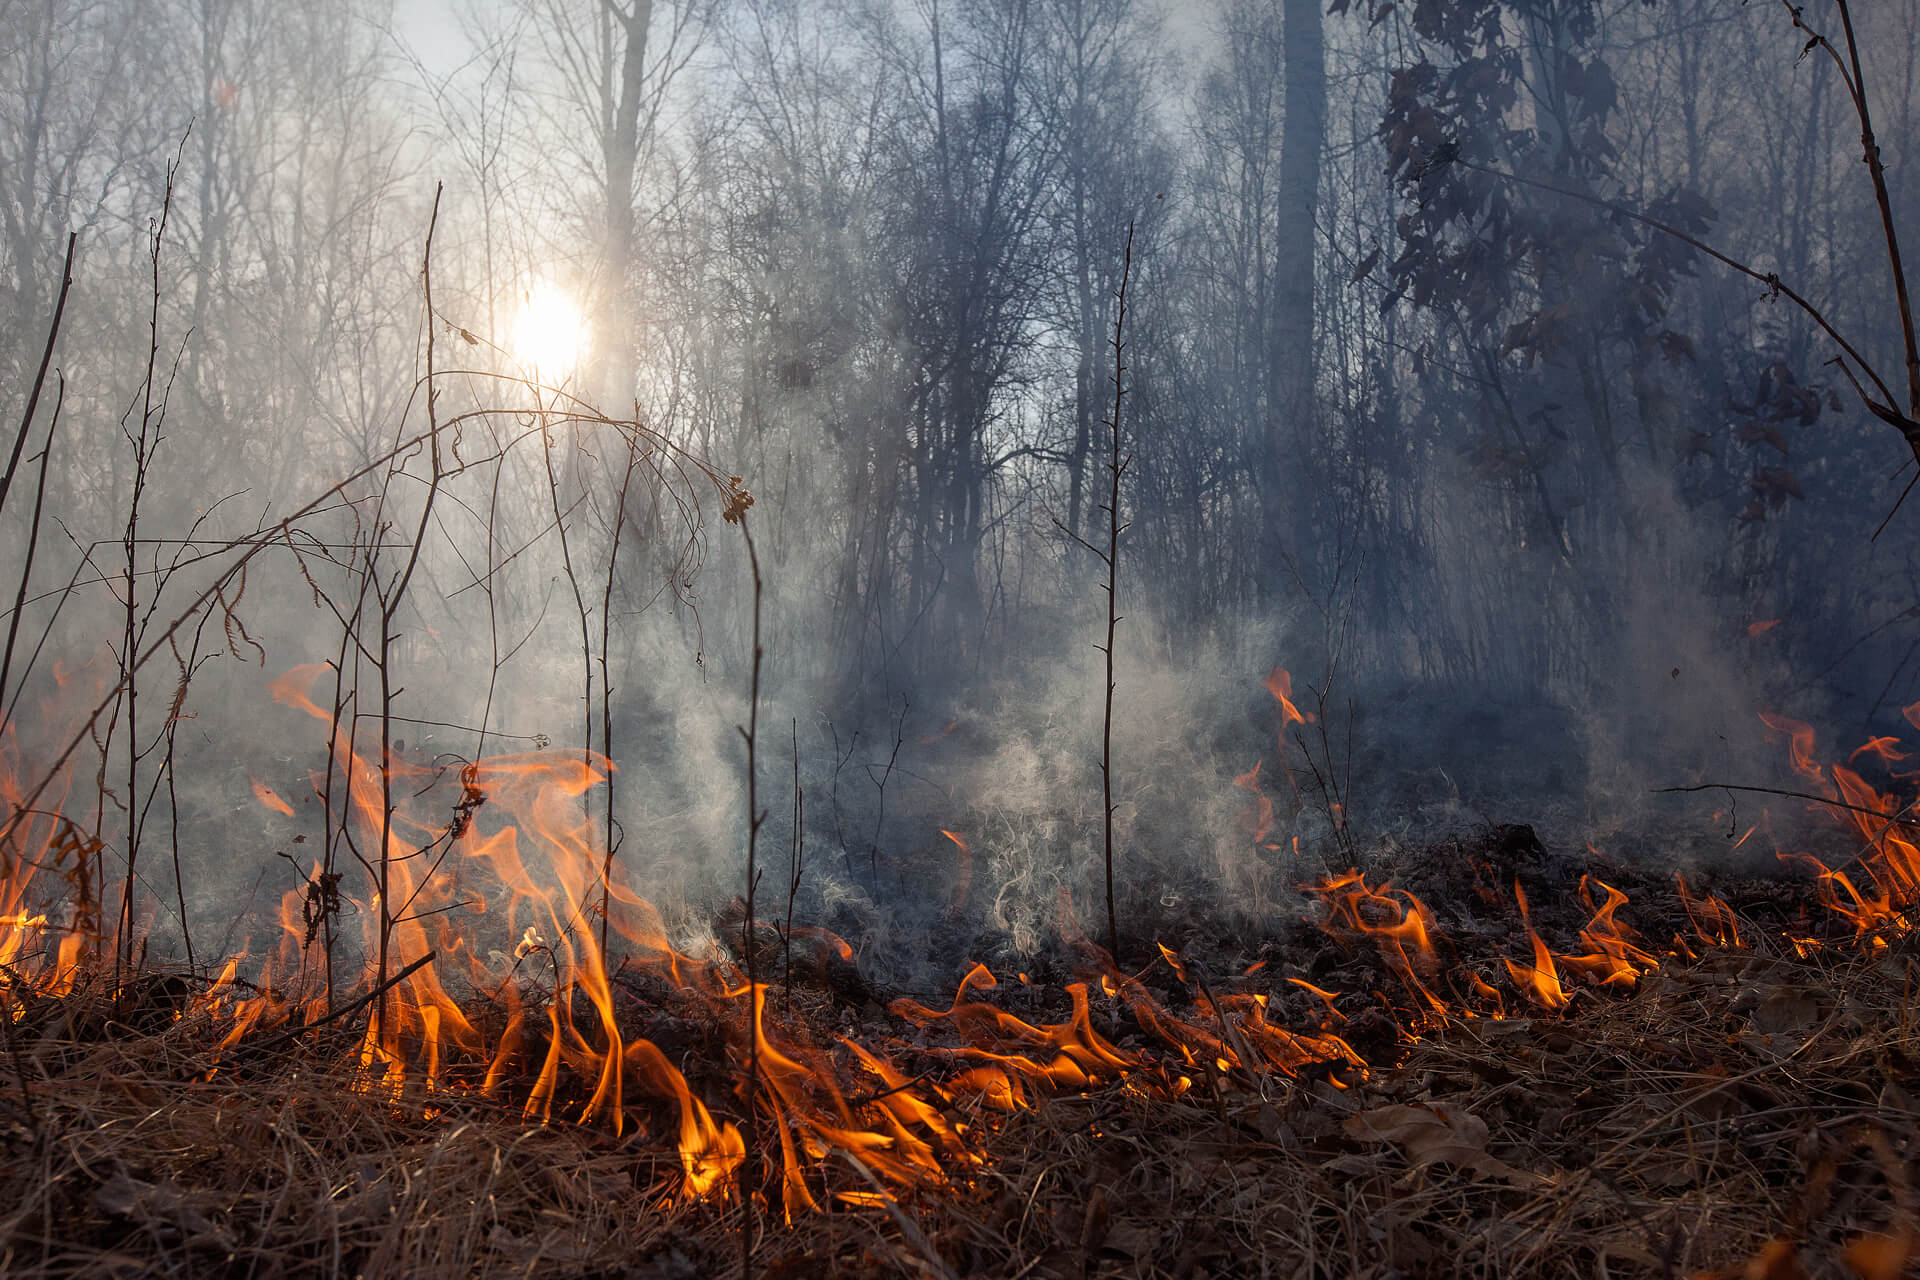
(1435, 1133)
(1878, 1257)
(1758, 431)
(738, 500)
(158, 1205)
(1777, 1260)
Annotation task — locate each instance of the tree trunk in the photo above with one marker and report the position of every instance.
(613, 383)
(1290, 355)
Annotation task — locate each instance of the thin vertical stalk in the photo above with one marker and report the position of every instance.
(573, 581)
(389, 608)
(1870, 148)
(751, 733)
(612, 845)
(796, 863)
(1116, 468)
(40, 378)
(33, 542)
(144, 444)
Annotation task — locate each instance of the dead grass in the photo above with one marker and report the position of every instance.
(1672, 1130)
(1724, 1104)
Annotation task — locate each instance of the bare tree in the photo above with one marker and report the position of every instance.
(613, 65)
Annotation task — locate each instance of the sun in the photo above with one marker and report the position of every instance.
(549, 332)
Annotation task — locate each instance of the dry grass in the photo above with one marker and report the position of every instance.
(1672, 1130)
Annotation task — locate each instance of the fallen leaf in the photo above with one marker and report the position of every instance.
(1878, 1257)
(1777, 1260)
(1434, 1133)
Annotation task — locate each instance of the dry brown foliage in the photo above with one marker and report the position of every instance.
(1741, 1114)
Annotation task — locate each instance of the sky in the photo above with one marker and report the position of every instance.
(431, 29)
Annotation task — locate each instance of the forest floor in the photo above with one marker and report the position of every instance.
(1737, 1108)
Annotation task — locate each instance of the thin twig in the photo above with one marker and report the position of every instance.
(1792, 795)
(344, 1011)
(1116, 467)
(40, 378)
(751, 732)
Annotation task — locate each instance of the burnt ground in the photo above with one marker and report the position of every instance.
(1739, 1110)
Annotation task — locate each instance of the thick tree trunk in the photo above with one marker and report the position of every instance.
(1290, 332)
(613, 383)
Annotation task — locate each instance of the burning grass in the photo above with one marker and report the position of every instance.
(1722, 1104)
(1485, 1059)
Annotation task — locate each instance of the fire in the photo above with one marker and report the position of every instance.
(1712, 919)
(1801, 738)
(1884, 749)
(1245, 1040)
(1879, 900)
(962, 869)
(1258, 820)
(270, 798)
(1612, 958)
(1540, 981)
(1070, 1054)
(1400, 926)
(558, 1044)
(481, 947)
(1280, 685)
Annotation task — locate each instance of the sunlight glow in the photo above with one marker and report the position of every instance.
(549, 332)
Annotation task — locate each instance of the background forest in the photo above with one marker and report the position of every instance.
(1537, 506)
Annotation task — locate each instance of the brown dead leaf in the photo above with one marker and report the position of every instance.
(1352, 1166)
(1776, 1260)
(1878, 1257)
(1134, 1239)
(1779, 1010)
(1434, 1133)
(153, 1205)
(1273, 1128)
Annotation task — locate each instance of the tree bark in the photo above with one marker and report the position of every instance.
(1290, 355)
(613, 383)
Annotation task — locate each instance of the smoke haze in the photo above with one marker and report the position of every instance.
(1537, 508)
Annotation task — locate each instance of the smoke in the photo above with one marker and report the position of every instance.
(1490, 613)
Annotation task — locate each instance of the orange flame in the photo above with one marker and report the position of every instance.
(1800, 737)
(1280, 685)
(963, 869)
(1258, 820)
(511, 856)
(1612, 958)
(1712, 919)
(1079, 1054)
(267, 796)
(1401, 927)
(1540, 981)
